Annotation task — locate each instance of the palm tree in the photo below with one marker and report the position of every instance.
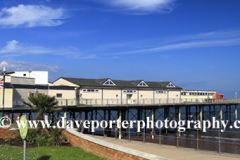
(42, 103)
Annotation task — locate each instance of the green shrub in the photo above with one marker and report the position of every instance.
(57, 136)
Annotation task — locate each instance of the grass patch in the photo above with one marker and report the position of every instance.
(46, 153)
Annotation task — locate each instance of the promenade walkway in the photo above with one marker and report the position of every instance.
(170, 152)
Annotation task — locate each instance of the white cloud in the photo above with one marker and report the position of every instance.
(211, 39)
(26, 66)
(143, 6)
(14, 49)
(31, 16)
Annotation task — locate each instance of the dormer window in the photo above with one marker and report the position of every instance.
(143, 84)
(171, 85)
(108, 82)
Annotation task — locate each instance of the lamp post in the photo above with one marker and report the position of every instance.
(4, 72)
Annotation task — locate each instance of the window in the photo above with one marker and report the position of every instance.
(24, 75)
(59, 95)
(163, 92)
(108, 82)
(116, 95)
(129, 91)
(90, 90)
(80, 95)
(142, 84)
(141, 95)
(170, 85)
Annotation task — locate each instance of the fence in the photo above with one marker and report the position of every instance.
(215, 141)
(99, 102)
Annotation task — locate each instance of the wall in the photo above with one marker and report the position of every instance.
(41, 77)
(8, 98)
(111, 93)
(22, 80)
(173, 94)
(23, 93)
(99, 150)
(160, 95)
(91, 95)
(6, 133)
(62, 82)
(66, 94)
(146, 94)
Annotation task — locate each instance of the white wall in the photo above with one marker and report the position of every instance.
(41, 77)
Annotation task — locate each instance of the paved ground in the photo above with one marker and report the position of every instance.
(171, 151)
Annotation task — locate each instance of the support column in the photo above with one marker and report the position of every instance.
(65, 118)
(179, 118)
(12, 117)
(166, 116)
(230, 112)
(220, 116)
(139, 118)
(187, 113)
(200, 116)
(104, 117)
(109, 118)
(91, 120)
(153, 120)
(80, 118)
(29, 116)
(235, 112)
(120, 122)
(86, 118)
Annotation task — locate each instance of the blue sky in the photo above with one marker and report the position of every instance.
(195, 44)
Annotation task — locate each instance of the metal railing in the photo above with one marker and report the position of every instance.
(155, 101)
(198, 140)
(162, 101)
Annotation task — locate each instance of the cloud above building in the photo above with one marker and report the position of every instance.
(26, 66)
(31, 16)
(143, 6)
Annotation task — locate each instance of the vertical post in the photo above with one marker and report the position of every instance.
(120, 122)
(221, 116)
(153, 121)
(24, 149)
(160, 138)
(179, 116)
(109, 118)
(128, 127)
(145, 115)
(3, 91)
(86, 118)
(200, 116)
(219, 141)
(91, 120)
(29, 116)
(104, 117)
(235, 112)
(230, 112)
(80, 117)
(139, 118)
(65, 118)
(12, 117)
(197, 139)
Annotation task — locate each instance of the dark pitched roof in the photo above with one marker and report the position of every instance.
(119, 83)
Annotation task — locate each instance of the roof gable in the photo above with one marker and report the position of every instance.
(142, 84)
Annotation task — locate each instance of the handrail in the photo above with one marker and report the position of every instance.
(109, 102)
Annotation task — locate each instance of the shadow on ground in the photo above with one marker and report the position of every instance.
(44, 158)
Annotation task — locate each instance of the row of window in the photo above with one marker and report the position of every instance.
(90, 90)
(129, 91)
(196, 94)
(163, 92)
